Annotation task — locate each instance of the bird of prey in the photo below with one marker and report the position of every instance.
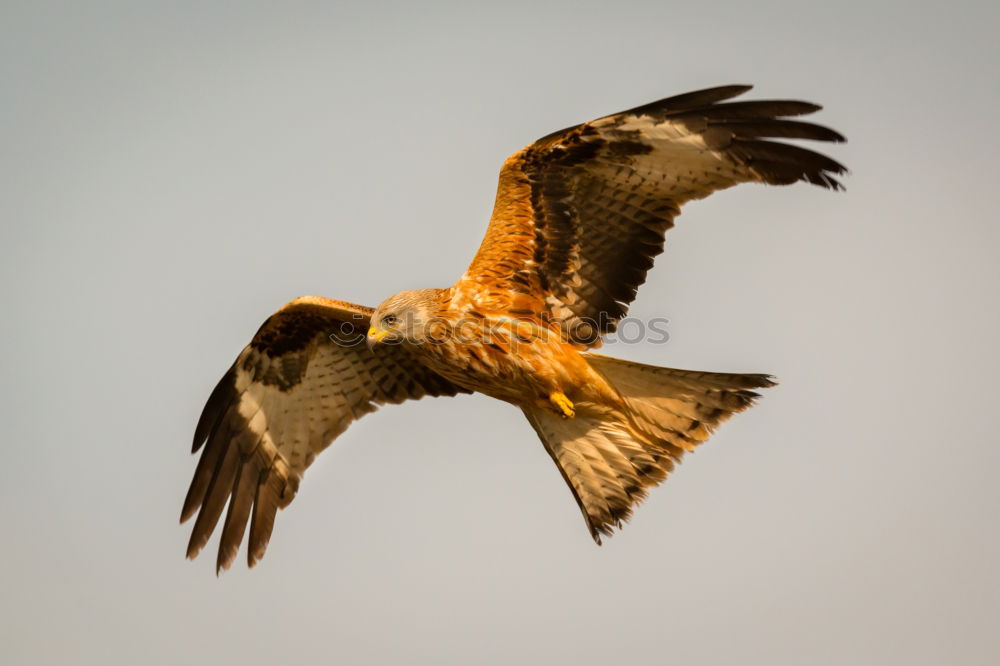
(579, 216)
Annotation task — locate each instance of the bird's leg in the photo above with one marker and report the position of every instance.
(563, 404)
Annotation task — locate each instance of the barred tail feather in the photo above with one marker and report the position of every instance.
(611, 457)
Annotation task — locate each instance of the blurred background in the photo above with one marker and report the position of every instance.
(171, 173)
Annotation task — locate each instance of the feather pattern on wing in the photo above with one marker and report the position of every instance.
(581, 213)
(301, 381)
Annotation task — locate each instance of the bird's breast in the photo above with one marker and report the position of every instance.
(515, 360)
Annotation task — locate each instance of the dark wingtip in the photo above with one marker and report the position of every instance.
(215, 407)
(707, 95)
(778, 128)
(779, 163)
(693, 99)
(762, 381)
(269, 491)
(193, 549)
(756, 109)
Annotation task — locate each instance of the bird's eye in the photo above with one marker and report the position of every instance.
(389, 320)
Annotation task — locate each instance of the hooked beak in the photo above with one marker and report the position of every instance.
(375, 336)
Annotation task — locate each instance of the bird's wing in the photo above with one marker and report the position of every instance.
(305, 376)
(581, 213)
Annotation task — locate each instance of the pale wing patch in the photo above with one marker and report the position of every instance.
(292, 390)
(581, 213)
(680, 164)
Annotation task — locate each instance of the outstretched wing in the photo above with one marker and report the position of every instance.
(581, 213)
(301, 381)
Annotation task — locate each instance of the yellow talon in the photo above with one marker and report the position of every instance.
(564, 404)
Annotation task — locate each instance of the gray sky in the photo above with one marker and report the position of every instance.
(172, 173)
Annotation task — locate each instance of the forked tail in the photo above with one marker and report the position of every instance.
(611, 457)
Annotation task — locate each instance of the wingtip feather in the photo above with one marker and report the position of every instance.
(215, 408)
(706, 97)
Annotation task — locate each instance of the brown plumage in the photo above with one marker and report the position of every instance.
(581, 213)
(304, 377)
(579, 217)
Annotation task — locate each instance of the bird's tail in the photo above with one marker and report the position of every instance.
(610, 457)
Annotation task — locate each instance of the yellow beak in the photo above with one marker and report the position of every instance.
(375, 336)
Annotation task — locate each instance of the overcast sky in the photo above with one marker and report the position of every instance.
(171, 173)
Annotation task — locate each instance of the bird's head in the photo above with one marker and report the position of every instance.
(403, 317)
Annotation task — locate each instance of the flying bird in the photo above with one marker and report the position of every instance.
(579, 216)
